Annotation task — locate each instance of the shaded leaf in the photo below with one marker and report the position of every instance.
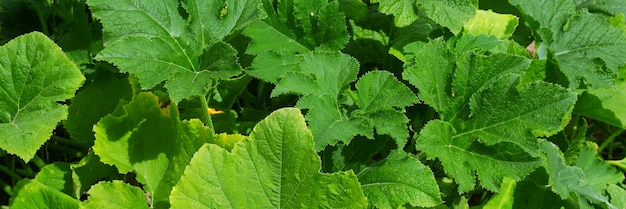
(149, 139)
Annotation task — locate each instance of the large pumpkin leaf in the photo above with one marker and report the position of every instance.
(34, 76)
(483, 111)
(275, 167)
(153, 42)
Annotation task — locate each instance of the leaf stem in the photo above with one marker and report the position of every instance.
(11, 173)
(609, 140)
(68, 142)
(6, 187)
(205, 117)
(353, 96)
(38, 162)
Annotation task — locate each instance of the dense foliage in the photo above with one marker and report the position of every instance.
(312, 104)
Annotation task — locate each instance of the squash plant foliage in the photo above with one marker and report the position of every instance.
(313, 104)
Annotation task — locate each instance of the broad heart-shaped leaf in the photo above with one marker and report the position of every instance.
(35, 75)
(585, 183)
(462, 158)
(153, 42)
(149, 139)
(275, 167)
(51, 188)
(586, 46)
(113, 195)
(448, 13)
(293, 27)
(398, 180)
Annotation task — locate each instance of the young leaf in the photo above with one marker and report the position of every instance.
(34, 76)
(51, 188)
(153, 43)
(115, 194)
(274, 167)
(501, 26)
(449, 13)
(398, 180)
(149, 138)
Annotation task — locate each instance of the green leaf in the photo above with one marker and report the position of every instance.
(51, 188)
(504, 199)
(597, 172)
(274, 167)
(153, 42)
(482, 110)
(149, 139)
(354, 9)
(93, 102)
(501, 26)
(379, 92)
(604, 104)
(298, 26)
(211, 21)
(115, 194)
(478, 95)
(89, 171)
(462, 158)
(328, 124)
(274, 64)
(572, 181)
(448, 13)
(320, 73)
(398, 180)
(618, 195)
(292, 28)
(586, 46)
(34, 76)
